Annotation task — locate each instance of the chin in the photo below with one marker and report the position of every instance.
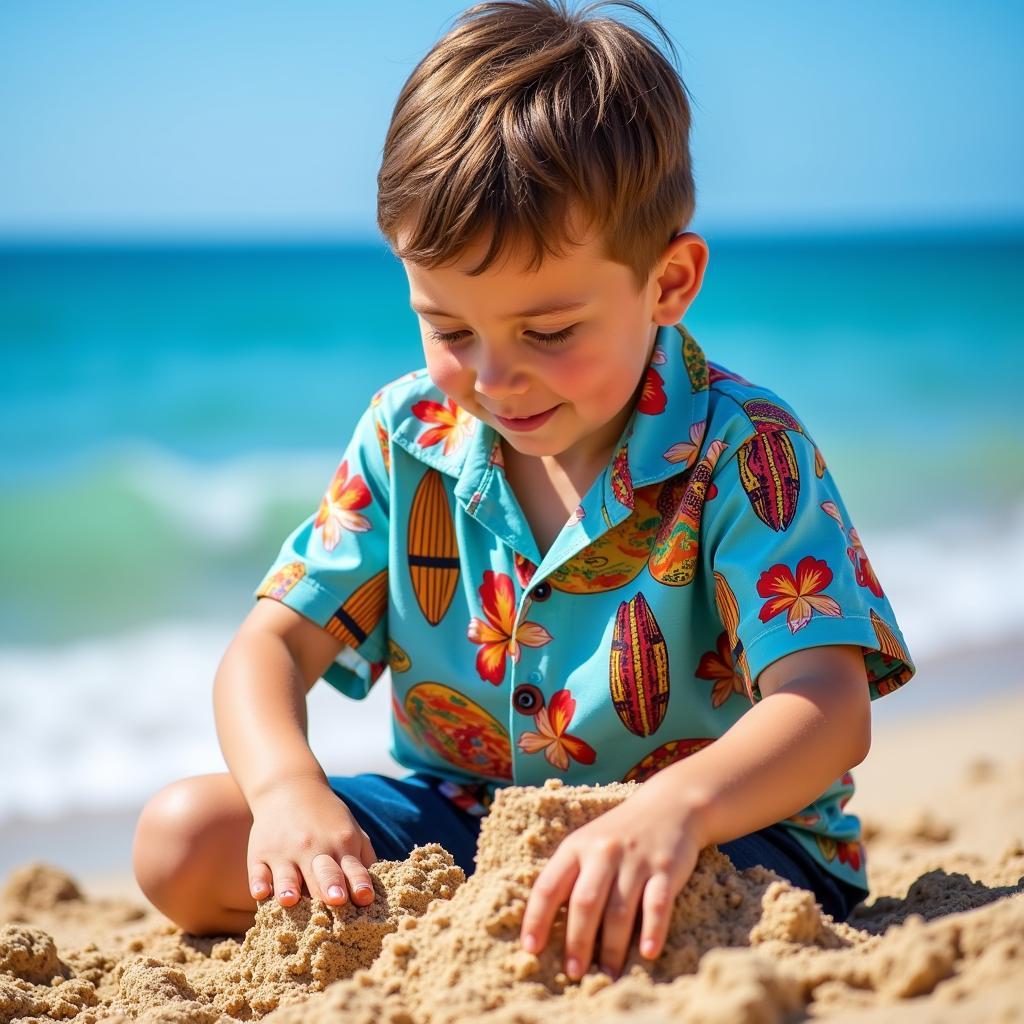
(537, 446)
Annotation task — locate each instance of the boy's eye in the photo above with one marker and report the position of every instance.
(450, 337)
(552, 339)
(446, 339)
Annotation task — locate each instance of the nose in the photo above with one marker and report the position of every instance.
(496, 375)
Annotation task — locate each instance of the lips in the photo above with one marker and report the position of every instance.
(526, 423)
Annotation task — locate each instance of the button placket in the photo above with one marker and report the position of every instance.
(526, 697)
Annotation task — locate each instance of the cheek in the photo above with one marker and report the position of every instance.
(444, 369)
(609, 380)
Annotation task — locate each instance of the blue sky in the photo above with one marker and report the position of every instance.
(242, 119)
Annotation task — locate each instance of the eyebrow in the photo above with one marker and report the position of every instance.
(557, 306)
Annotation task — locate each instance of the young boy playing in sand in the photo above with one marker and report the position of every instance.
(584, 550)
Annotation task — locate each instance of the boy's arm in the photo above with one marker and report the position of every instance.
(301, 829)
(812, 725)
(783, 753)
(259, 697)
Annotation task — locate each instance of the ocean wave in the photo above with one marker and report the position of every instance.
(101, 725)
(228, 502)
(141, 535)
(954, 582)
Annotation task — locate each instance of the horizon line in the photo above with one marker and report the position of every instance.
(1009, 229)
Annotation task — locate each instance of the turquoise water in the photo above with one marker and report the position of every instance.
(155, 448)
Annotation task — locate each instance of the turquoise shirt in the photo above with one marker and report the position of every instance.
(714, 543)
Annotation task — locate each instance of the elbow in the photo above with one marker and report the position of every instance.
(860, 737)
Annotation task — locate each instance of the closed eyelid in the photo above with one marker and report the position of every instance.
(547, 338)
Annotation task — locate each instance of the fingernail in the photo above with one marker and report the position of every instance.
(260, 889)
(610, 971)
(572, 968)
(364, 890)
(285, 893)
(648, 947)
(530, 943)
(335, 892)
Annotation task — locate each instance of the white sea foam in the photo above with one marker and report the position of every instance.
(101, 725)
(954, 583)
(223, 503)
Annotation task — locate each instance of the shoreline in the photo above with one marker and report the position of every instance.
(940, 938)
(966, 701)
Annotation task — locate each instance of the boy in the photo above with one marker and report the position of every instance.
(584, 550)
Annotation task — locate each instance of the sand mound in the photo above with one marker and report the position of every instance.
(290, 952)
(744, 947)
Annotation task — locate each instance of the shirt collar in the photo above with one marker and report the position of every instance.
(662, 437)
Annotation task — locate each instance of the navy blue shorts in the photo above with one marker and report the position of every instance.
(398, 814)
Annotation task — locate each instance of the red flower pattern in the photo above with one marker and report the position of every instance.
(861, 565)
(718, 666)
(494, 631)
(799, 595)
(652, 396)
(337, 511)
(552, 722)
(452, 424)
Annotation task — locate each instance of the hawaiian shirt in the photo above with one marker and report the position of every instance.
(714, 543)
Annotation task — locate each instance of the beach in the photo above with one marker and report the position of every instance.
(148, 488)
(940, 938)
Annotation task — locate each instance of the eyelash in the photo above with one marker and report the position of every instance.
(557, 338)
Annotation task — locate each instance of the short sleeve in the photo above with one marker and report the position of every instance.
(333, 568)
(789, 568)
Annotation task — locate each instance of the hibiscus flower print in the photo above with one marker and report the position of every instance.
(848, 852)
(799, 595)
(862, 570)
(552, 722)
(861, 566)
(383, 442)
(452, 424)
(718, 666)
(851, 853)
(686, 451)
(652, 397)
(494, 632)
(337, 511)
(524, 569)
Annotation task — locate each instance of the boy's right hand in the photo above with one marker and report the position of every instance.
(303, 832)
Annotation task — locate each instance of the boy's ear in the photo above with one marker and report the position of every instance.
(679, 275)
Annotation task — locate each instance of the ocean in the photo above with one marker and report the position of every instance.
(168, 414)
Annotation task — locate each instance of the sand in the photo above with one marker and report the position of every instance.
(941, 938)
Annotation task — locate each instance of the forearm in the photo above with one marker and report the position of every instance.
(260, 711)
(782, 754)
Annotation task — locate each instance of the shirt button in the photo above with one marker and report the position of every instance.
(534, 677)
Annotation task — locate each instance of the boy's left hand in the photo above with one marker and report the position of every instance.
(637, 856)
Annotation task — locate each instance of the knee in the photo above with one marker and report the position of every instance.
(168, 846)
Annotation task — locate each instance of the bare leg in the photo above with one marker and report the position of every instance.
(190, 855)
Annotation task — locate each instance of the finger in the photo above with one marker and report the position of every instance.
(586, 907)
(287, 883)
(330, 880)
(619, 919)
(549, 892)
(261, 883)
(659, 896)
(360, 883)
(366, 854)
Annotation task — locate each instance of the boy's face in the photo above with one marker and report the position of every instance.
(550, 358)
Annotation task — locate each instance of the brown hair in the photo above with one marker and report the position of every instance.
(523, 110)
